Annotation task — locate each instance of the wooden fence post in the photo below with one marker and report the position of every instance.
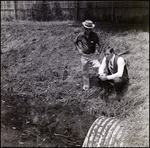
(77, 7)
(112, 11)
(15, 15)
(113, 15)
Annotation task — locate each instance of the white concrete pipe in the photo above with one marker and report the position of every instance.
(105, 132)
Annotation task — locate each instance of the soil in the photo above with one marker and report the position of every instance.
(43, 103)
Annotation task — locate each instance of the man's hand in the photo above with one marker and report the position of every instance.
(79, 49)
(103, 77)
(98, 48)
(96, 63)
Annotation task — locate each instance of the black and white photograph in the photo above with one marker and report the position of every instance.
(74, 73)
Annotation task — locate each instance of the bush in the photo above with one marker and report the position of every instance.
(8, 18)
(57, 11)
(41, 12)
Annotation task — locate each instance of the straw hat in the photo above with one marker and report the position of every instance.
(88, 24)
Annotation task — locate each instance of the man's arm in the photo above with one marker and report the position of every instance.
(97, 46)
(76, 47)
(121, 64)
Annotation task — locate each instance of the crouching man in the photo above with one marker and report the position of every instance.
(113, 71)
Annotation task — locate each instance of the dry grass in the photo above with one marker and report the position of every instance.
(41, 79)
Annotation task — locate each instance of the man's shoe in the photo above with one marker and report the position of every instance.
(118, 95)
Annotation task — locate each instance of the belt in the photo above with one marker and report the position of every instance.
(90, 55)
(88, 52)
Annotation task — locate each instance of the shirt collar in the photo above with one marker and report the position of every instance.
(89, 33)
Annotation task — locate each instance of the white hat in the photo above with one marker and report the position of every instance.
(88, 24)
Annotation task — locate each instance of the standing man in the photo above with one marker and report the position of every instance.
(88, 46)
(113, 71)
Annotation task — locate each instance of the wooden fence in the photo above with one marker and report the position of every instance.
(113, 10)
(79, 10)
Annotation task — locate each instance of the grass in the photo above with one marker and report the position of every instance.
(42, 82)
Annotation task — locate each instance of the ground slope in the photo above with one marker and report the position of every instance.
(41, 85)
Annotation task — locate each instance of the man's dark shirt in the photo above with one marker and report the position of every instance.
(88, 43)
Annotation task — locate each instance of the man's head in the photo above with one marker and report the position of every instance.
(88, 25)
(109, 52)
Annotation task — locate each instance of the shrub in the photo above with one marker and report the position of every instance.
(57, 11)
(8, 18)
(41, 12)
